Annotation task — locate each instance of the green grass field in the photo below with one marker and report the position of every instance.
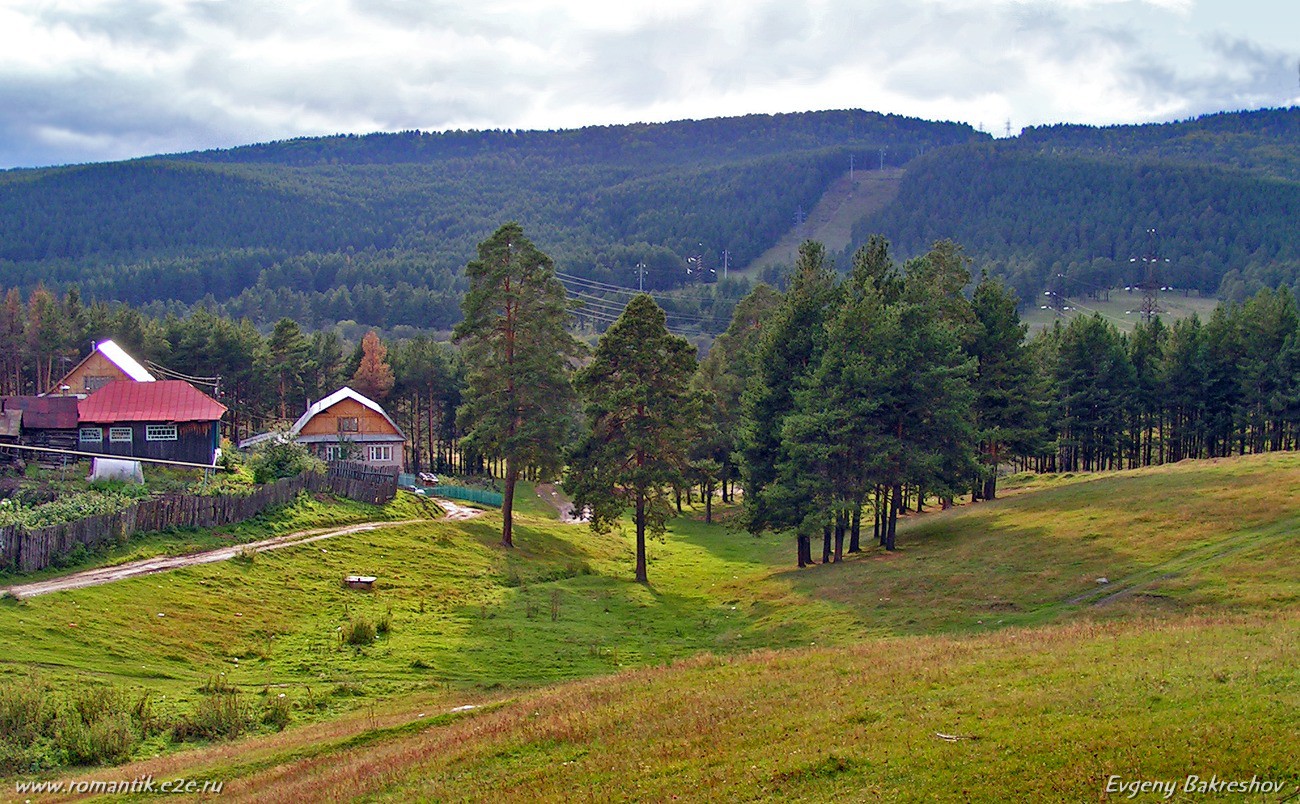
(1120, 309)
(734, 675)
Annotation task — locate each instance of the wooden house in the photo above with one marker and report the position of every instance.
(347, 425)
(165, 420)
(106, 363)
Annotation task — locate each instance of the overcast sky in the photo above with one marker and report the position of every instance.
(85, 80)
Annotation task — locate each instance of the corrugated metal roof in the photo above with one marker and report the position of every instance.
(44, 412)
(158, 401)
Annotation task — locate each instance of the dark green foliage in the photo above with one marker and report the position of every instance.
(640, 414)
(1222, 191)
(279, 458)
(790, 349)
(375, 229)
(519, 405)
(1008, 405)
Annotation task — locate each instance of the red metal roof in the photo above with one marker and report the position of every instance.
(44, 412)
(161, 401)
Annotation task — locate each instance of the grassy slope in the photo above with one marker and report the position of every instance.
(982, 625)
(1117, 310)
(845, 202)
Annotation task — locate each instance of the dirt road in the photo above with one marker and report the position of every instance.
(149, 566)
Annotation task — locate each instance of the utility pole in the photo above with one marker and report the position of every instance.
(726, 257)
(640, 277)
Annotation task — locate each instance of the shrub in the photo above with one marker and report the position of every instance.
(24, 712)
(358, 631)
(277, 459)
(277, 711)
(218, 715)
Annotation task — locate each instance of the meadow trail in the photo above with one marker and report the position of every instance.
(552, 496)
(149, 566)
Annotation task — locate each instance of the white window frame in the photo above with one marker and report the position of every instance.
(380, 453)
(90, 435)
(333, 452)
(120, 435)
(161, 432)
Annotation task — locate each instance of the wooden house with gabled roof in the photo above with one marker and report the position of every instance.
(106, 363)
(165, 420)
(346, 425)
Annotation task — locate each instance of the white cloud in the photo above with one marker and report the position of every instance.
(116, 78)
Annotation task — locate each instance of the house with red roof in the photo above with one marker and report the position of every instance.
(164, 420)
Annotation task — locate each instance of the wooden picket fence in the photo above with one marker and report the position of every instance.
(35, 549)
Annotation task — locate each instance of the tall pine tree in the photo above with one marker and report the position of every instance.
(640, 411)
(516, 345)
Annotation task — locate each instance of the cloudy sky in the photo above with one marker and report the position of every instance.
(92, 80)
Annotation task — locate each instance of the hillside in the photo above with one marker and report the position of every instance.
(989, 625)
(377, 229)
(1221, 193)
(849, 199)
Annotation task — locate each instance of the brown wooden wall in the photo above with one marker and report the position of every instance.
(95, 366)
(368, 421)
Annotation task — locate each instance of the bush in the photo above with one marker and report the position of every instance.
(358, 631)
(218, 715)
(24, 712)
(277, 711)
(277, 459)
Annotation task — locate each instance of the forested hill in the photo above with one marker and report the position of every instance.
(1070, 207)
(378, 228)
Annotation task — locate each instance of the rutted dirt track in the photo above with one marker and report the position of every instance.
(149, 566)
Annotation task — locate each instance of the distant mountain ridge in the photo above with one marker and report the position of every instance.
(377, 228)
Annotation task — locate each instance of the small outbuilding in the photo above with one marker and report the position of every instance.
(40, 421)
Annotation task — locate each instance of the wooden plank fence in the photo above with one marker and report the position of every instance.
(31, 550)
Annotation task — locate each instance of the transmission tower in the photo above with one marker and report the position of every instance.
(1055, 294)
(1149, 279)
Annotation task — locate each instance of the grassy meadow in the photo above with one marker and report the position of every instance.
(733, 675)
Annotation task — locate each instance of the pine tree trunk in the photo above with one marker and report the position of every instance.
(855, 529)
(508, 505)
(640, 539)
(804, 549)
(826, 543)
(893, 516)
(841, 525)
(708, 504)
